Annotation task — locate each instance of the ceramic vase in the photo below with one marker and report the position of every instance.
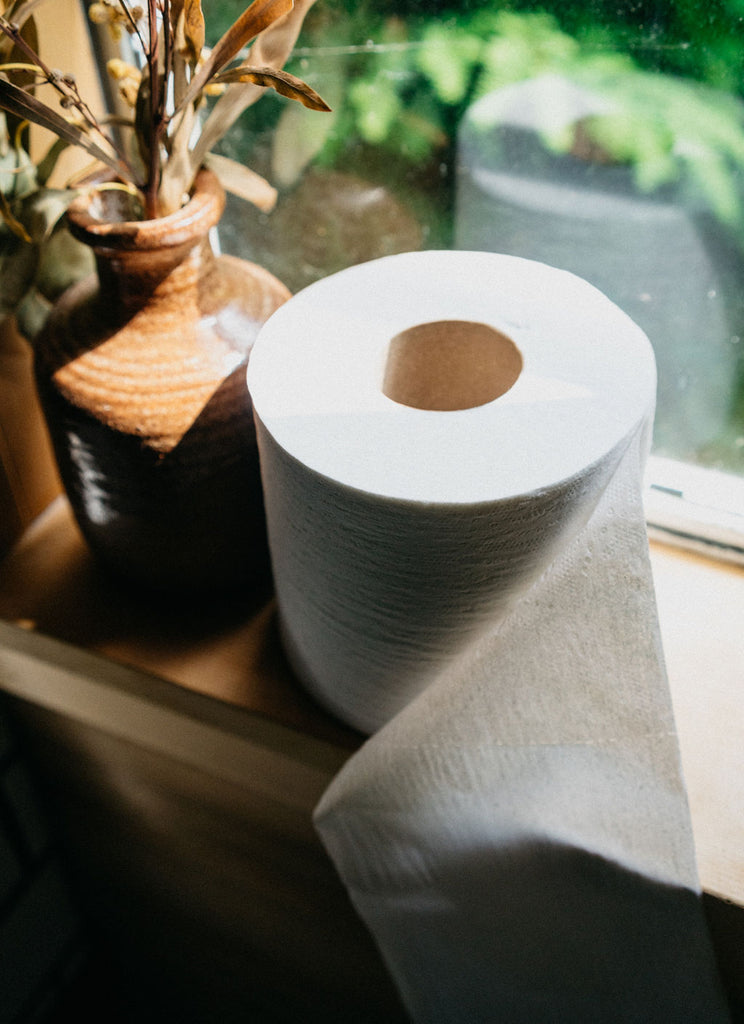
(141, 372)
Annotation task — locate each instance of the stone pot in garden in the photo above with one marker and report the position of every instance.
(661, 255)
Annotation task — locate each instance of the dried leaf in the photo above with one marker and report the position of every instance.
(16, 55)
(180, 65)
(174, 11)
(187, 24)
(243, 182)
(12, 222)
(21, 104)
(284, 83)
(272, 48)
(254, 20)
(223, 115)
(275, 44)
(296, 141)
(194, 28)
(44, 209)
(251, 22)
(177, 173)
(188, 27)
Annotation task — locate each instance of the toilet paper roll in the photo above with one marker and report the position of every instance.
(452, 447)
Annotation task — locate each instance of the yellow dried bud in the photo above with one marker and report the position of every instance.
(129, 91)
(128, 77)
(99, 13)
(119, 69)
(111, 13)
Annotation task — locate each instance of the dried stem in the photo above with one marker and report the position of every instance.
(133, 23)
(167, 40)
(64, 85)
(168, 92)
(156, 121)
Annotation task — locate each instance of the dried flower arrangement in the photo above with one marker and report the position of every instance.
(157, 152)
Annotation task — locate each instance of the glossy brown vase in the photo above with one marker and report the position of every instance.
(141, 373)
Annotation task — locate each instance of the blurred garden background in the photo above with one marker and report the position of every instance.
(606, 138)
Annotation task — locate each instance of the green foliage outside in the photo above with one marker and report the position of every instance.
(400, 76)
(401, 73)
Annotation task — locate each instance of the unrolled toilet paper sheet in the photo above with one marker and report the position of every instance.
(473, 589)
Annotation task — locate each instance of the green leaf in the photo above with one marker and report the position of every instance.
(17, 174)
(40, 272)
(524, 46)
(714, 181)
(59, 262)
(63, 261)
(448, 58)
(32, 313)
(43, 211)
(377, 104)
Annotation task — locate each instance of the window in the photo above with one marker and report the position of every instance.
(606, 139)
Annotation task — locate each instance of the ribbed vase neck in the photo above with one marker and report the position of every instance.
(154, 260)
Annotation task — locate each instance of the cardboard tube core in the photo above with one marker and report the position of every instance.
(450, 364)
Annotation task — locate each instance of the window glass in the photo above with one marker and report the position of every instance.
(604, 138)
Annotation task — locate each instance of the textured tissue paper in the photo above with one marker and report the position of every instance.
(452, 447)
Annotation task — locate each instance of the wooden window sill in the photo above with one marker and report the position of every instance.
(230, 652)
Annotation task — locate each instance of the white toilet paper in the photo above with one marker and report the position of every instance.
(516, 836)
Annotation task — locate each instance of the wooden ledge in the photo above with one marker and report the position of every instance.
(229, 650)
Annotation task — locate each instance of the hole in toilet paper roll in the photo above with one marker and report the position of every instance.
(450, 364)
